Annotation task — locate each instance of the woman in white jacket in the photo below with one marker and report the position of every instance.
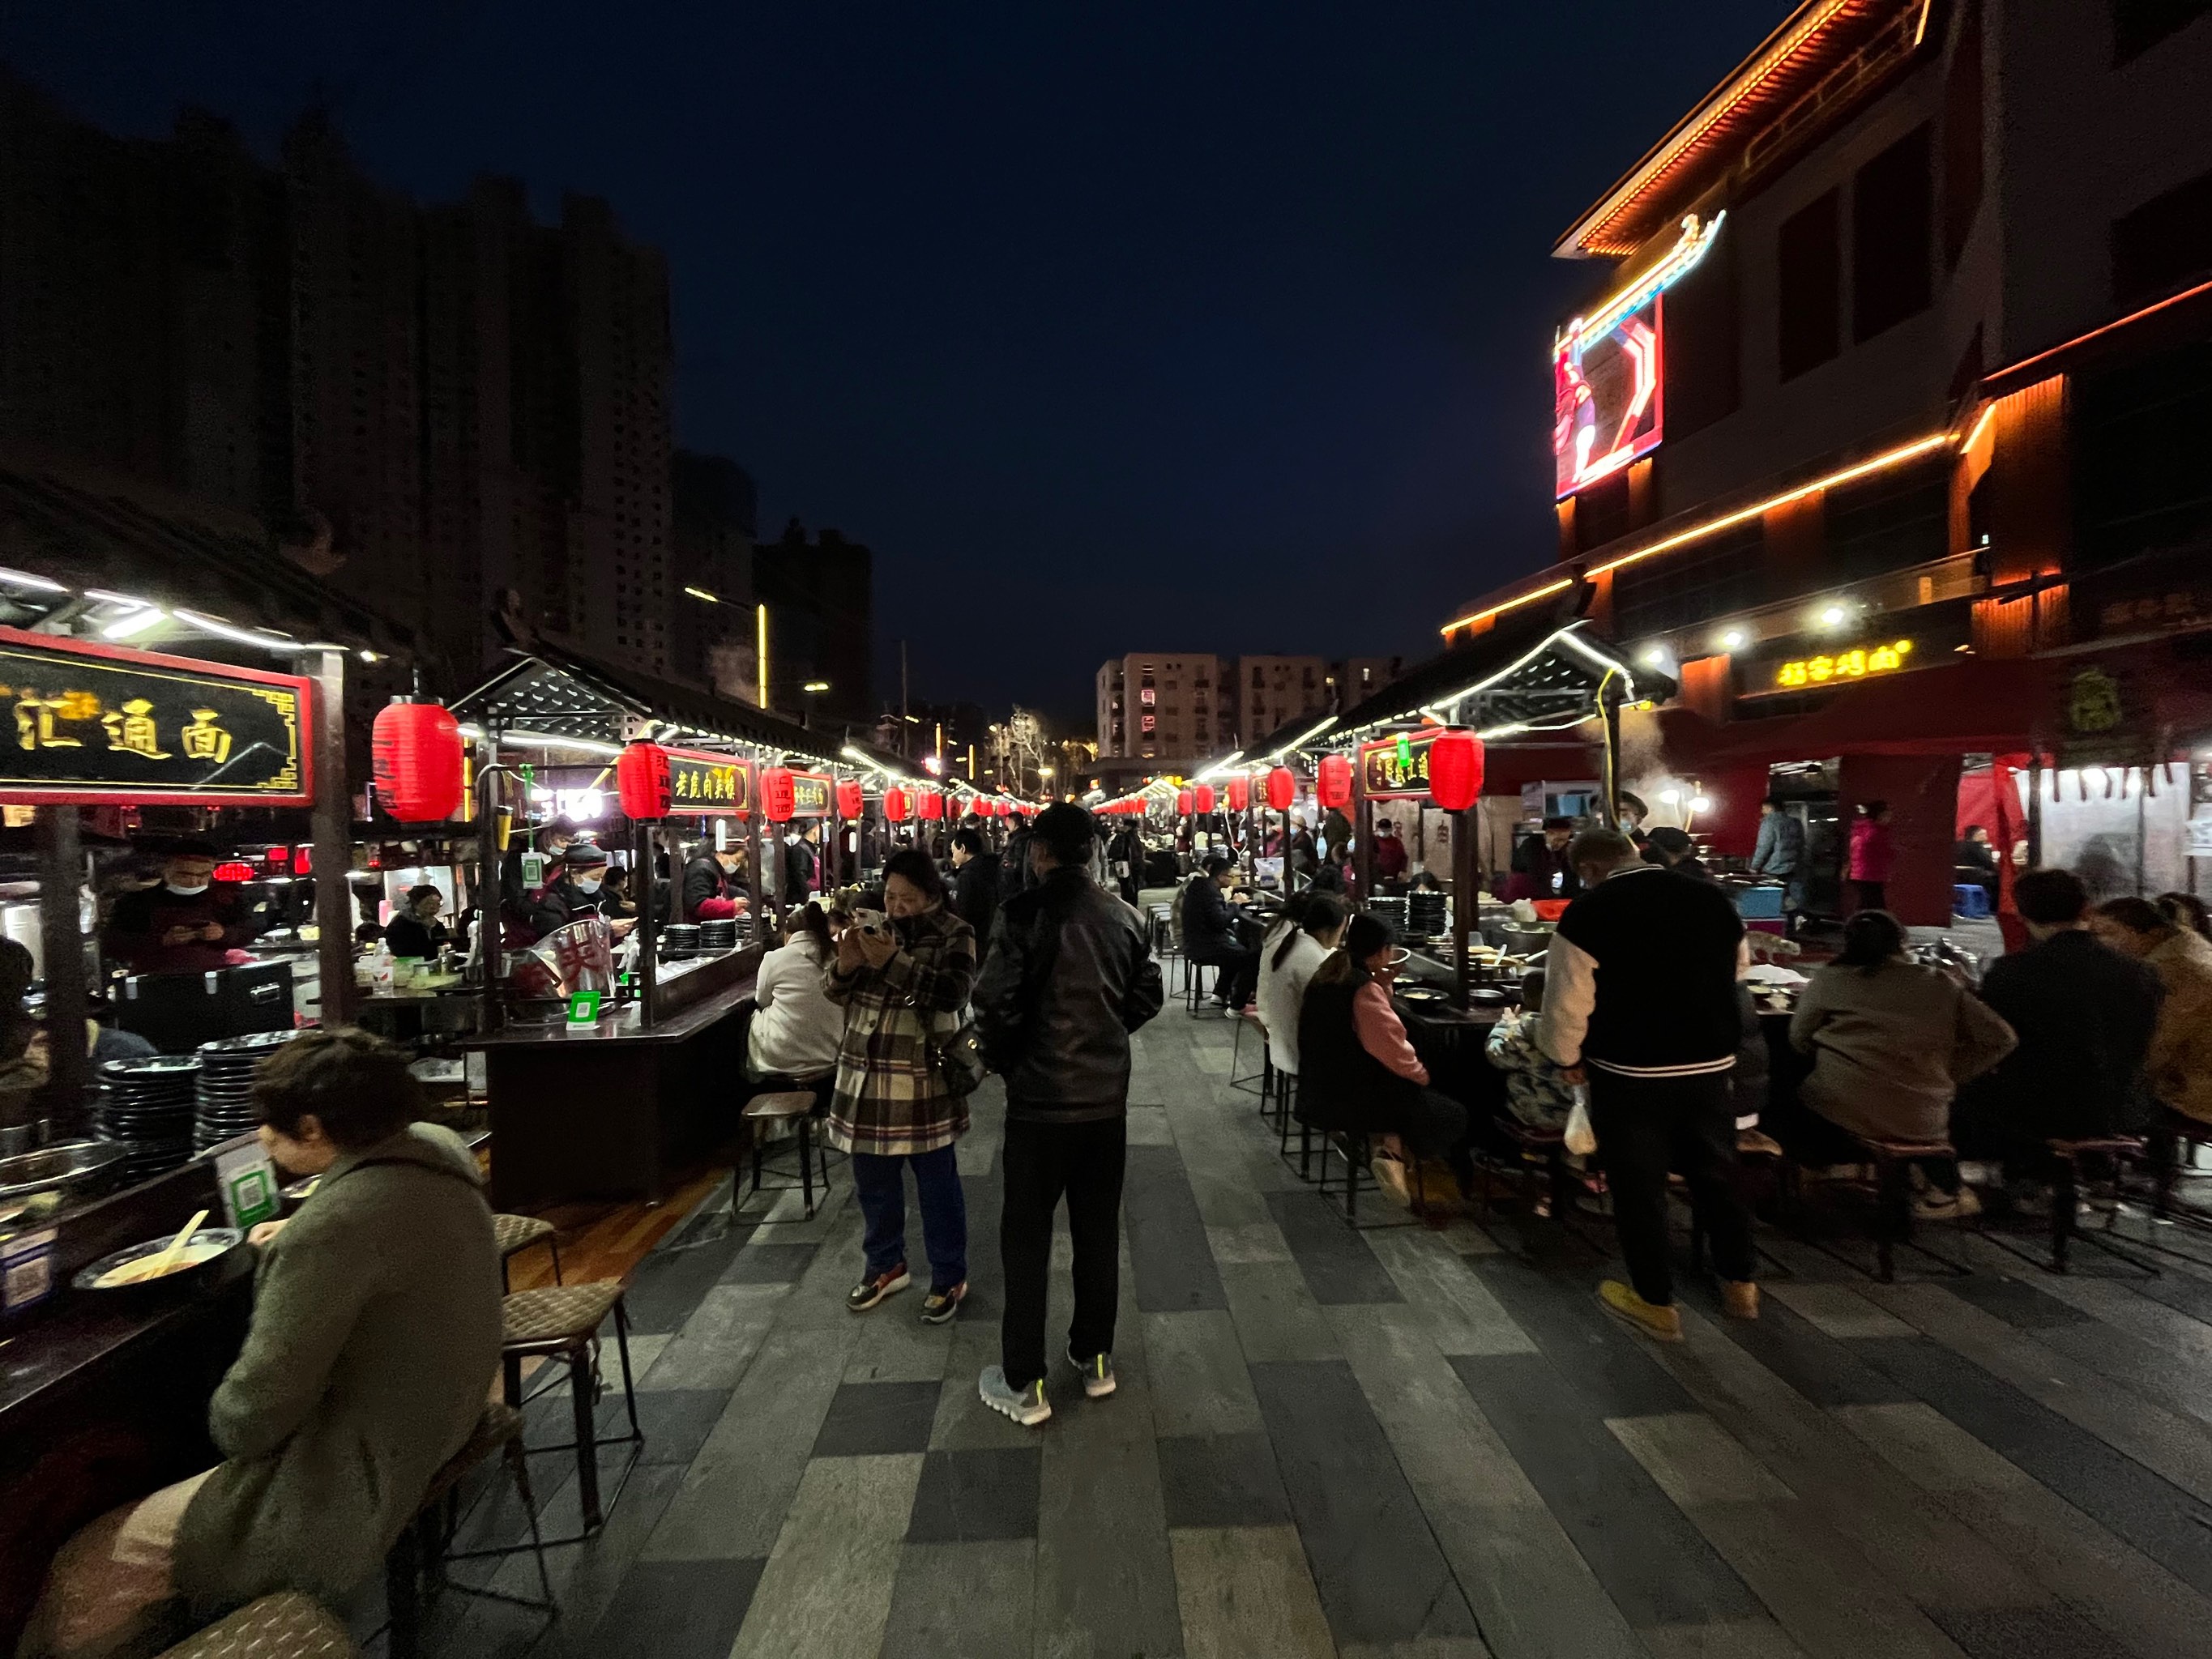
(796, 1028)
(1313, 925)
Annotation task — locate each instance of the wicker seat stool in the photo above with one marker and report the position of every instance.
(561, 1321)
(515, 1234)
(285, 1625)
(2066, 1158)
(425, 1547)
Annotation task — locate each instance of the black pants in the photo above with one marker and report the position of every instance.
(1871, 895)
(1041, 1162)
(1647, 1126)
(1239, 975)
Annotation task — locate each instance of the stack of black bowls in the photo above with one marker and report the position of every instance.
(717, 937)
(1425, 914)
(225, 1096)
(148, 1111)
(679, 941)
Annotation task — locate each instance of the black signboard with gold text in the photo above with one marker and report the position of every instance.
(811, 794)
(716, 785)
(1396, 768)
(88, 723)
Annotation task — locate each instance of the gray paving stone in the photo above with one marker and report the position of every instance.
(963, 1601)
(771, 1264)
(1174, 1270)
(873, 1420)
(1222, 1480)
(973, 1496)
(826, 1591)
(1200, 1382)
(677, 1610)
(1247, 1591)
(1338, 1265)
(1374, 1562)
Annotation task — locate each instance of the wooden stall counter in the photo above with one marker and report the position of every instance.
(613, 1112)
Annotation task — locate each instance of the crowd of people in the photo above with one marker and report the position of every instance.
(1638, 1033)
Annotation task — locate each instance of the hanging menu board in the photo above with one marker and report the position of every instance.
(95, 724)
(700, 782)
(810, 795)
(1396, 768)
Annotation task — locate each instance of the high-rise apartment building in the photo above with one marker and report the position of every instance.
(711, 639)
(458, 410)
(1272, 691)
(1355, 680)
(820, 595)
(1153, 706)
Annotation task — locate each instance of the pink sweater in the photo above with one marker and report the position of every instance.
(1383, 1034)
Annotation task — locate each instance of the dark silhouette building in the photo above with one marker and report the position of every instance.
(819, 595)
(712, 623)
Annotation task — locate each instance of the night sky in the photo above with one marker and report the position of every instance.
(1196, 326)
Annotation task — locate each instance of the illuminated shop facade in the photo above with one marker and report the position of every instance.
(1881, 433)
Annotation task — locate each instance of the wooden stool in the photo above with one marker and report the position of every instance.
(1892, 1160)
(562, 1321)
(2066, 1158)
(424, 1548)
(1357, 1153)
(285, 1625)
(795, 1107)
(2177, 1133)
(516, 1233)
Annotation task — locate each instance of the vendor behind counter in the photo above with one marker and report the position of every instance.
(189, 924)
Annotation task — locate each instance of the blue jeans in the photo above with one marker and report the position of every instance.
(881, 1184)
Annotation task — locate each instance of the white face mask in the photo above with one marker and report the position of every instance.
(587, 883)
(183, 892)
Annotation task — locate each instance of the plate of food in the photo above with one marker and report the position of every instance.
(159, 1261)
(1421, 995)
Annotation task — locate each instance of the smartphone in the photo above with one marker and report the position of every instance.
(873, 921)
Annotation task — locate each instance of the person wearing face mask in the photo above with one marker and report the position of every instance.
(580, 890)
(189, 924)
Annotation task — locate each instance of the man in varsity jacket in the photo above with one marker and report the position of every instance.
(1639, 1001)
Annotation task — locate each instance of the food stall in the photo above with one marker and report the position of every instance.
(607, 1052)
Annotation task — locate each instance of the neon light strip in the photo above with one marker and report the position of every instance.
(1749, 82)
(1918, 448)
(1989, 414)
(1681, 260)
(2026, 363)
(1529, 598)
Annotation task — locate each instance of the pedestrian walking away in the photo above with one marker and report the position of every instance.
(1640, 1002)
(1070, 978)
(902, 979)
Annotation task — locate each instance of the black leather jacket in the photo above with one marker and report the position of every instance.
(1072, 975)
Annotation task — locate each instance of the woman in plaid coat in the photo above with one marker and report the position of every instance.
(903, 989)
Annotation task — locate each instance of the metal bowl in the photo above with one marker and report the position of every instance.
(200, 1261)
(70, 1164)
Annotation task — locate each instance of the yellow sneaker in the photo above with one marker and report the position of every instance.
(1660, 1324)
(1739, 1300)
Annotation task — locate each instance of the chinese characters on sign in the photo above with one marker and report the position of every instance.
(1397, 768)
(1853, 665)
(95, 722)
(708, 783)
(810, 795)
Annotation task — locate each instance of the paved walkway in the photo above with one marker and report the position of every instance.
(1397, 1444)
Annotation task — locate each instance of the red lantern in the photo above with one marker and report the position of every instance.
(933, 805)
(779, 794)
(416, 750)
(898, 805)
(1333, 786)
(641, 780)
(303, 861)
(1456, 770)
(1240, 793)
(1203, 798)
(1005, 808)
(848, 797)
(1282, 789)
(1183, 802)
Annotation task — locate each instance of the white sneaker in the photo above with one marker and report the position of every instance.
(1029, 1407)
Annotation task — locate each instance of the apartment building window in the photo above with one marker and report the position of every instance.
(1809, 287)
(1893, 205)
(2139, 25)
(1147, 696)
(2139, 484)
(1703, 326)
(2165, 244)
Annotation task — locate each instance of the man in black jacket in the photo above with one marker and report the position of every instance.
(801, 863)
(1071, 976)
(975, 885)
(1640, 1003)
(1215, 932)
(2084, 1014)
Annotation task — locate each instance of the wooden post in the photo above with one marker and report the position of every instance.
(61, 873)
(2035, 811)
(762, 931)
(490, 900)
(1609, 706)
(330, 819)
(1362, 830)
(648, 925)
(1464, 886)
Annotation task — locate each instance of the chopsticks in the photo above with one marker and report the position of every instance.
(168, 1257)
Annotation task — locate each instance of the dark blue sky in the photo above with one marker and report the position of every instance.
(1143, 326)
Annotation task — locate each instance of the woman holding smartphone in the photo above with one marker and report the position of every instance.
(902, 979)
